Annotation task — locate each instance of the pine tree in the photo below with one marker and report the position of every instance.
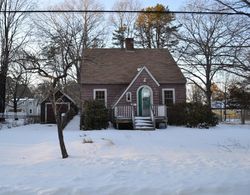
(239, 98)
(154, 30)
(119, 37)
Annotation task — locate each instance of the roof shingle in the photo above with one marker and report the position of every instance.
(119, 66)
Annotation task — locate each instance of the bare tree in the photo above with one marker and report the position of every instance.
(207, 43)
(196, 94)
(13, 35)
(84, 30)
(17, 86)
(124, 23)
(53, 62)
(239, 6)
(240, 57)
(40, 90)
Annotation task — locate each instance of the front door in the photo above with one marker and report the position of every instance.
(144, 104)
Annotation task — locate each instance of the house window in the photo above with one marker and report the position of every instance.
(101, 95)
(168, 96)
(128, 97)
(31, 111)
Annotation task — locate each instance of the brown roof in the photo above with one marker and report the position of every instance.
(119, 66)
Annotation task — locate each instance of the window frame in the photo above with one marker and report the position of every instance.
(105, 95)
(128, 94)
(163, 95)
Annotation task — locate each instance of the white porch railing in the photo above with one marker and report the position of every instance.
(126, 111)
(160, 110)
(123, 112)
(152, 116)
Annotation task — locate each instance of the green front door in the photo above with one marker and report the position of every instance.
(144, 101)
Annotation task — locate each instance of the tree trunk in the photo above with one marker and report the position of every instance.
(2, 95)
(60, 136)
(225, 108)
(243, 114)
(208, 97)
(15, 108)
(4, 63)
(59, 124)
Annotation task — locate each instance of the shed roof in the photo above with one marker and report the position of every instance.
(119, 66)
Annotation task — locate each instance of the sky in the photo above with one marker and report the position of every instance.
(173, 5)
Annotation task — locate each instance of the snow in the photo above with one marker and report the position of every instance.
(175, 160)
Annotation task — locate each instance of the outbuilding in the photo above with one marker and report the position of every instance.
(64, 103)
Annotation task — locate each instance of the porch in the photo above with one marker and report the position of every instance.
(130, 115)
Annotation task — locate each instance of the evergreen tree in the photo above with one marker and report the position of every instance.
(123, 23)
(95, 115)
(154, 30)
(119, 37)
(239, 98)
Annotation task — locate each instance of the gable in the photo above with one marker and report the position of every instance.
(143, 77)
(117, 66)
(60, 97)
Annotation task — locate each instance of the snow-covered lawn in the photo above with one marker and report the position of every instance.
(175, 160)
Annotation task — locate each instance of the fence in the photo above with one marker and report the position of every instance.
(230, 115)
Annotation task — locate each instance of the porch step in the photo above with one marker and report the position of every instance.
(143, 123)
(142, 117)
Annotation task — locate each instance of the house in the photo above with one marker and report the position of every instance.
(64, 103)
(137, 85)
(26, 107)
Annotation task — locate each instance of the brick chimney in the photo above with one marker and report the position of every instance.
(129, 43)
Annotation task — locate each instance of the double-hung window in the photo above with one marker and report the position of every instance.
(101, 95)
(168, 97)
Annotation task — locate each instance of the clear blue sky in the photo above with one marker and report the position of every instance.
(173, 5)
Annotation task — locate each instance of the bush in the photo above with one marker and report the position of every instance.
(199, 115)
(177, 114)
(192, 115)
(95, 115)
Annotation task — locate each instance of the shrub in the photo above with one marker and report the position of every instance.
(199, 115)
(95, 115)
(192, 115)
(177, 114)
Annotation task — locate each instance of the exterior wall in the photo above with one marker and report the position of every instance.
(143, 79)
(64, 100)
(49, 116)
(24, 106)
(180, 92)
(113, 92)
